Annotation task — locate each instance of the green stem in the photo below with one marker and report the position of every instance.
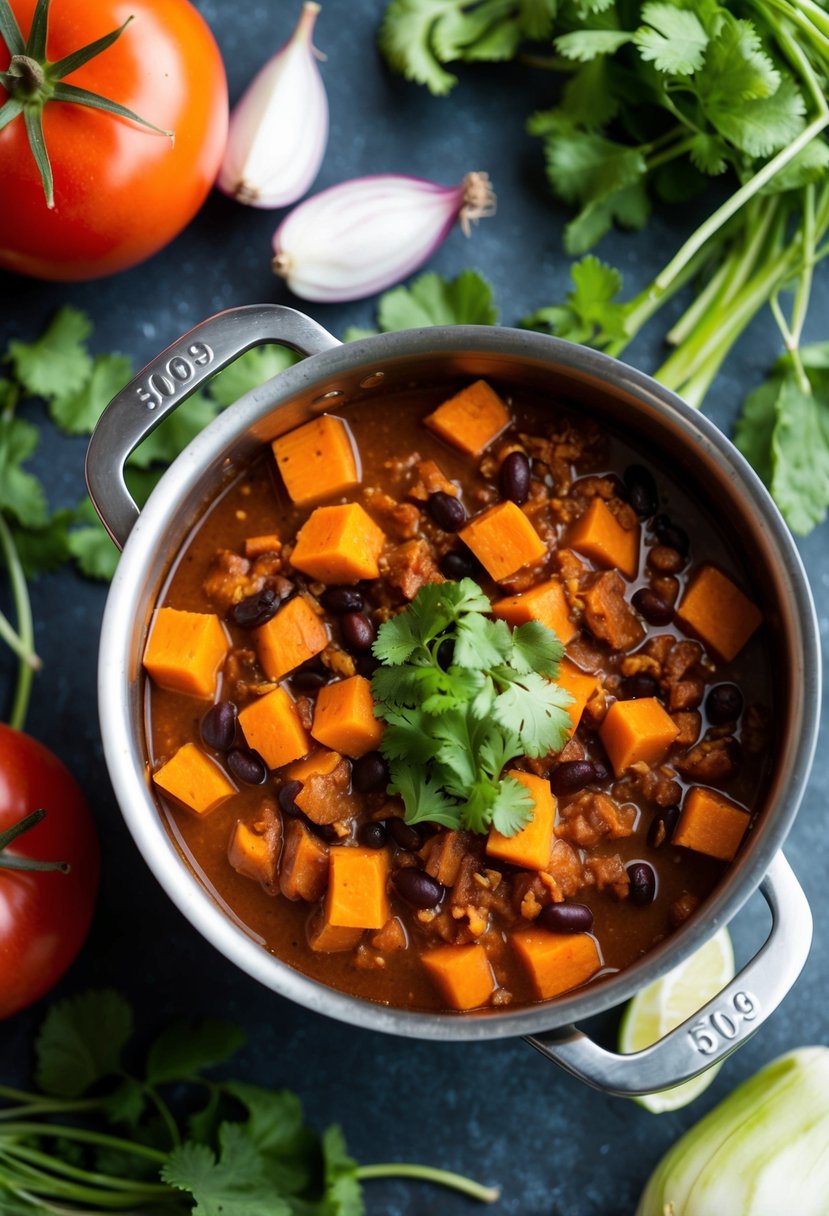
(669, 154)
(814, 25)
(427, 1173)
(665, 280)
(16, 644)
(25, 625)
(85, 1136)
(166, 1116)
(804, 287)
(89, 1177)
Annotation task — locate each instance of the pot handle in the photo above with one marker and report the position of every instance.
(168, 380)
(720, 1026)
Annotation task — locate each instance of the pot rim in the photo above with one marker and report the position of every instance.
(127, 766)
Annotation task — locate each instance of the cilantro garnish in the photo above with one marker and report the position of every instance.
(97, 1137)
(462, 695)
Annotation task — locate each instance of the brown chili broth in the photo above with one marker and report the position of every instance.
(254, 504)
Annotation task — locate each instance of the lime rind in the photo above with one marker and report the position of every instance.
(667, 1002)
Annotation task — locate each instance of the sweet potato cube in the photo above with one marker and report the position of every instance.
(636, 730)
(317, 460)
(356, 896)
(344, 717)
(556, 962)
(254, 850)
(185, 651)
(255, 546)
(294, 635)
(546, 603)
(462, 974)
(194, 780)
(718, 613)
(340, 544)
(711, 823)
(303, 868)
(325, 938)
(471, 419)
(581, 686)
(531, 846)
(503, 540)
(599, 535)
(272, 727)
(322, 762)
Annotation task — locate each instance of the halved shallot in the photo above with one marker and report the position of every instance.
(367, 234)
(279, 127)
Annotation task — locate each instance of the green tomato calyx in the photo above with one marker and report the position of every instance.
(32, 81)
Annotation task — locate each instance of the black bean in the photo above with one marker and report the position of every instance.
(325, 831)
(642, 684)
(600, 772)
(653, 608)
(642, 888)
(724, 703)
(566, 918)
(366, 664)
(286, 797)
(571, 776)
(418, 888)
(309, 679)
(514, 477)
(255, 610)
(372, 834)
(643, 495)
(343, 599)
(457, 564)
(370, 773)
(670, 534)
(446, 653)
(404, 834)
(663, 826)
(446, 510)
(358, 631)
(218, 726)
(247, 766)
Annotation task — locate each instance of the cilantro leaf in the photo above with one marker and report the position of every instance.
(81, 1042)
(76, 413)
(406, 40)
(535, 710)
(42, 550)
(673, 39)
(585, 167)
(183, 1049)
(481, 643)
(800, 456)
(423, 798)
(708, 152)
(591, 314)
(234, 1185)
(57, 364)
(512, 808)
(628, 207)
(21, 494)
(535, 648)
(275, 1126)
(586, 45)
(476, 811)
(762, 125)
(431, 299)
(736, 67)
(343, 1193)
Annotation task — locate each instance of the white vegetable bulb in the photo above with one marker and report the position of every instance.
(367, 234)
(279, 127)
(762, 1152)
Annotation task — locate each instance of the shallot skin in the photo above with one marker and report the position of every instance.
(279, 127)
(364, 235)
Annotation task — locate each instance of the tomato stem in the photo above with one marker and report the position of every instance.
(14, 861)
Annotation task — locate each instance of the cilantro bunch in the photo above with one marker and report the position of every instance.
(653, 102)
(462, 695)
(97, 1136)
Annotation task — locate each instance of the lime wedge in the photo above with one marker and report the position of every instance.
(667, 1002)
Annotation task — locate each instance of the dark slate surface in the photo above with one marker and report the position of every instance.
(493, 1110)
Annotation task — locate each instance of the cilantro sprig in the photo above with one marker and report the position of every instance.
(98, 1135)
(653, 100)
(462, 695)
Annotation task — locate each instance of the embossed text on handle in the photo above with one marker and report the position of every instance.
(164, 383)
(708, 1033)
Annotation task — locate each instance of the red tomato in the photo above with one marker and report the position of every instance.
(121, 191)
(44, 915)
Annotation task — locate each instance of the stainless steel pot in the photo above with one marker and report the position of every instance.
(333, 376)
